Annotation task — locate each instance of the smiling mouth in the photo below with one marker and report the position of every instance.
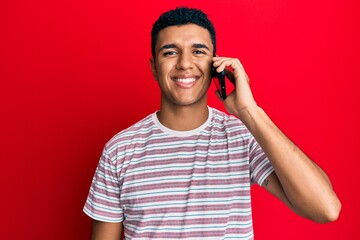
(188, 80)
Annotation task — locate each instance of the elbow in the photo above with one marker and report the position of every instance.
(334, 213)
(330, 214)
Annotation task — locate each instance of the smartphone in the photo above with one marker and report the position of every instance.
(219, 80)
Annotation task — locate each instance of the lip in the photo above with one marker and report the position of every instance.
(185, 81)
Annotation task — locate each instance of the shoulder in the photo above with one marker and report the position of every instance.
(230, 128)
(227, 121)
(136, 132)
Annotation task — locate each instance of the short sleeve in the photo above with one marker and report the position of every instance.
(260, 166)
(103, 201)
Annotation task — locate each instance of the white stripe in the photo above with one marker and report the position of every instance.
(122, 163)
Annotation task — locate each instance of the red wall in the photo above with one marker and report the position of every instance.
(73, 73)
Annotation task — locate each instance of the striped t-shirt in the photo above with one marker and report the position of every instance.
(166, 184)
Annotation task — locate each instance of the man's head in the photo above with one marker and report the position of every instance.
(178, 17)
(183, 42)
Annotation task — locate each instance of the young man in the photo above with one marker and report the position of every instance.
(186, 170)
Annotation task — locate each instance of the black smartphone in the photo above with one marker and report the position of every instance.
(219, 80)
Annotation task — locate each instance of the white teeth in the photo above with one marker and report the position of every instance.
(185, 80)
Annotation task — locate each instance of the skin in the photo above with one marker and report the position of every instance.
(106, 231)
(184, 56)
(183, 52)
(297, 180)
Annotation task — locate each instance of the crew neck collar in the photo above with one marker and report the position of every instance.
(183, 133)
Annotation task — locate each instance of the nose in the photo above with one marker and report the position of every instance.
(185, 61)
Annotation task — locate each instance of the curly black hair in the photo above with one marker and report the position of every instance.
(182, 16)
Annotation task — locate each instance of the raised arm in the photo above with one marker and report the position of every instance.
(297, 180)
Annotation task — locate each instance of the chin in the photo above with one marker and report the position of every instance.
(191, 101)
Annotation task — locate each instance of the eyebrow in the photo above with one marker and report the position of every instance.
(167, 46)
(195, 45)
(200, 45)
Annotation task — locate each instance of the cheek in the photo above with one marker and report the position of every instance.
(163, 69)
(205, 65)
(206, 69)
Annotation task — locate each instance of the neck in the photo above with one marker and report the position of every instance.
(183, 118)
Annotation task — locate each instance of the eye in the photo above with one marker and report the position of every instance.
(198, 52)
(169, 53)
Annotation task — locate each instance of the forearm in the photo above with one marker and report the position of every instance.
(305, 185)
(300, 182)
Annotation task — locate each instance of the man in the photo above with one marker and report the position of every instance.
(186, 170)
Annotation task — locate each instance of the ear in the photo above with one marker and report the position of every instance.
(153, 67)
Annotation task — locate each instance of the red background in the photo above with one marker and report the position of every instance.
(74, 73)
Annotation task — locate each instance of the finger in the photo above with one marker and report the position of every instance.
(238, 69)
(229, 62)
(218, 63)
(230, 75)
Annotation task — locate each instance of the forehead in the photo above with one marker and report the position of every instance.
(184, 35)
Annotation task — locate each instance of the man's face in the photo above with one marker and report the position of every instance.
(182, 64)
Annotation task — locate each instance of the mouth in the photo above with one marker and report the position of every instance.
(185, 81)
